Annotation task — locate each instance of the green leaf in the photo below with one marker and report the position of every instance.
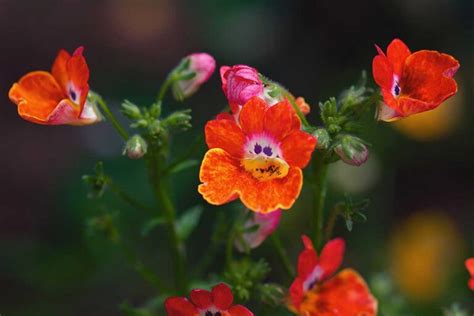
(152, 224)
(188, 222)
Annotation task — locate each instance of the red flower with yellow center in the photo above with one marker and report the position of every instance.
(218, 302)
(259, 158)
(58, 97)
(470, 269)
(412, 82)
(312, 293)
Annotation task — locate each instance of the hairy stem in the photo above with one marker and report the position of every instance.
(320, 170)
(111, 117)
(331, 221)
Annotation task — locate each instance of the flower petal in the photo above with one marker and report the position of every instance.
(59, 69)
(66, 112)
(222, 296)
(252, 116)
(266, 196)
(386, 113)
(307, 261)
(239, 310)
(278, 120)
(219, 174)
(346, 294)
(297, 148)
(78, 73)
(427, 76)
(397, 53)
(382, 71)
(470, 266)
(225, 134)
(37, 94)
(180, 306)
(201, 298)
(331, 257)
(296, 294)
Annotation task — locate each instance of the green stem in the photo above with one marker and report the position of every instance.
(164, 88)
(295, 106)
(127, 198)
(111, 117)
(163, 199)
(320, 170)
(282, 254)
(332, 221)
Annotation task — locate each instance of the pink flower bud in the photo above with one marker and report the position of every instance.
(202, 65)
(352, 150)
(240, 83)
(266, 225)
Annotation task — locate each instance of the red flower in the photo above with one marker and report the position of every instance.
(412, 82)
(314, 294)
(470, 268)
(259, 158)
(58, 97)
(218, 302)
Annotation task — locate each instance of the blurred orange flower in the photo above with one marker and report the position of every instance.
(58, 97)
(314, 294)
(257, 159)
(470, 267)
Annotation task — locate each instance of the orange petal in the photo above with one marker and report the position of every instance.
(297, 148)
(345, 294)
(303, 106)
(225, 134)
(219, 174)
(37, 94)
(278, 120)
(252, 116)
(427, 76)
(78, 73)
(266, 196)
(397, 53)
(59, 69)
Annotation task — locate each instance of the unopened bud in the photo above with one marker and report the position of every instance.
(130, 110)
(136, 147)
(323, 138)
(352, 150)
(192, 72)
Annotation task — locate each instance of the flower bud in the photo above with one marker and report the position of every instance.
(240, 83)
(257, 228)
(193, 71)
(323, 138)
(352, 150)
(130, 110)
(136, 147)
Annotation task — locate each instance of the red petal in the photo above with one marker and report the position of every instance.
(397, 53)
(427, 78)
(225, 116)
(201, 298)
(308, 243)
(296, 293)
(471, 284)
(382, 71)
(59, 69)
(278, 120)
(222, 296)
(307, 261)
(239, 310)
(252, 116)
(225, 134)
(297, 148)
(78, 73)
(470, 266)
(180, 306)
(331, 257)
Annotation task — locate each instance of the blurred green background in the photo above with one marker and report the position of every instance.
(419, 176)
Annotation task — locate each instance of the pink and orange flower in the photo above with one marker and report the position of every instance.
(470, 268)
(266, 224)
(57, 97)
(315, 293)
(257, 159)
(412, 83)
(217, 302)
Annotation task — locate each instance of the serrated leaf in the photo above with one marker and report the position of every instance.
(188, 222)
(152, 224)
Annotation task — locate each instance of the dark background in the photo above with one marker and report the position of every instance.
(51, 265)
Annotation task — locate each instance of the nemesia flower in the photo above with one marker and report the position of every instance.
(241, 82)
(218, 302)
(412, 82)
(59, 97)
(470, 268)
(266, 225)
(314, 293)
(259, 159)
(202, 65)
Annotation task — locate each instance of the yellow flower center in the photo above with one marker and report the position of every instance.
(266, 168)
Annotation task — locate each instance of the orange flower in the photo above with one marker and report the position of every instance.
(314, 294)
(58, 97)
(412, 82)
(257, 159)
